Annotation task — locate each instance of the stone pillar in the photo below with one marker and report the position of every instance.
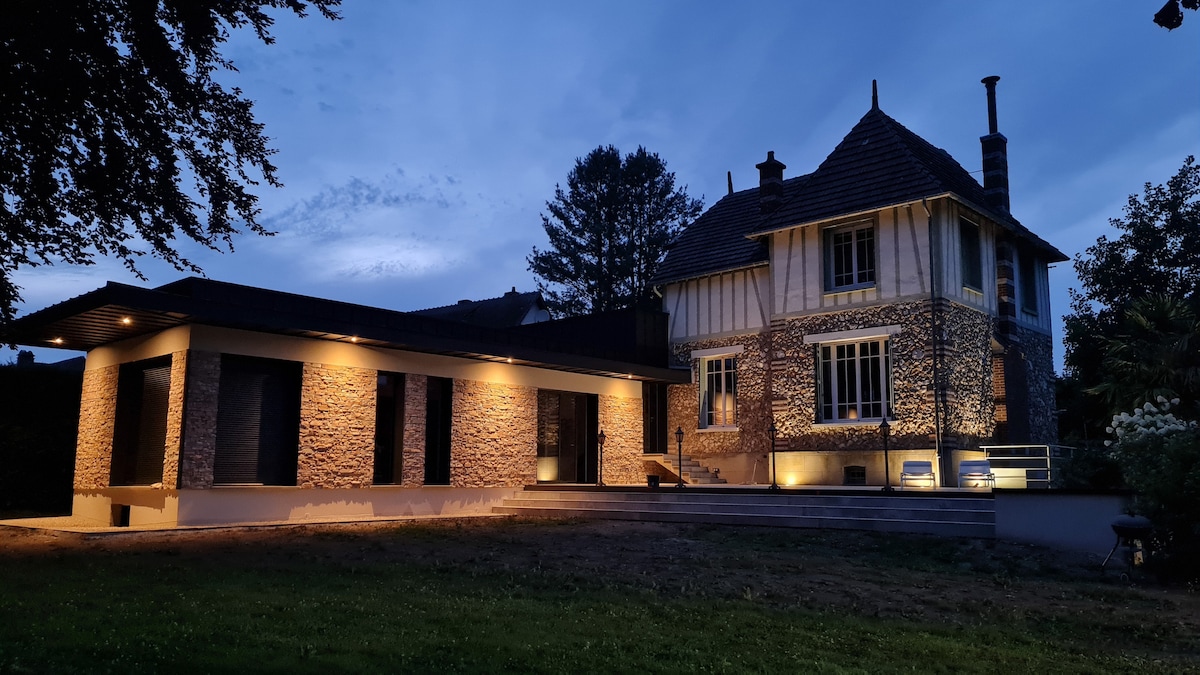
(413, 449)
(493, 436)
(170, 478)
(337, 427)
(621, 420)
(199, 443)
(97, 415)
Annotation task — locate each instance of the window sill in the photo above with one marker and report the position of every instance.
(851, 423)
(716, 430)
(973, 291)
(842, 290)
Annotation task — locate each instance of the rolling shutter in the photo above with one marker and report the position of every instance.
(258, 421)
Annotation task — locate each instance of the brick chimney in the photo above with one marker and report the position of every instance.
(995, 154)
(770, 183)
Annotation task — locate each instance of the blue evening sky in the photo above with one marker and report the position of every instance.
(419, 141)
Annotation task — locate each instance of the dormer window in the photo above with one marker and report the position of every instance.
(850, 257)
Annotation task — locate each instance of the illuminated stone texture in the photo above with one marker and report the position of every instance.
(97, 413)
(621, 420)
(777, 371)
(493, 435)
(170, 479)
(337, 427)
(413, 450)
(200, 424)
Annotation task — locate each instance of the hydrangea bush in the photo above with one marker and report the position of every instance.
(1159, 455)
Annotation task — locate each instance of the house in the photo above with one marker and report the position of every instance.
(206, 402)
(511, 309)
(886, 284)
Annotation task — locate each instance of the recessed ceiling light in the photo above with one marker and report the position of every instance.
(354, 338)
(57, 341)
(126, 321)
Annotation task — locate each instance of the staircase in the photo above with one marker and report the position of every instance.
(692, 471)
(923, 513)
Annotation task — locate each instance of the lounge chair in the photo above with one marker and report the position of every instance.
(974, 472)
(919, 472)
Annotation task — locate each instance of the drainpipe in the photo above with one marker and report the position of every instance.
(935, 343)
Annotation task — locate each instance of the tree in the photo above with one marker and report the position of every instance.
(114, 136)
(1157, 254)
(609, 231)
(1170, 16)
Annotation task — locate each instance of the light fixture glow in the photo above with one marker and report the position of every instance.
(354, 338)
(126, 321)
(57, 341)
(509, 359)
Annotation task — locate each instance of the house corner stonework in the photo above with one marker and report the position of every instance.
(97, 414)
(199, 443)
(413, 444)
(620, 419)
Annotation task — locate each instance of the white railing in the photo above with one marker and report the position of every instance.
(1024, 466)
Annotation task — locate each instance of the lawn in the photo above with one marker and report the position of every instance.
(552, 596)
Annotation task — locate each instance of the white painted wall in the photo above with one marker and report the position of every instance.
(721, 304)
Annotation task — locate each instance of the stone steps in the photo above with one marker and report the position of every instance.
(693, 472)
(960, 517)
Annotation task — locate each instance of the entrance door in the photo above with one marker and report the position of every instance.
(438, 409)
(567, 429)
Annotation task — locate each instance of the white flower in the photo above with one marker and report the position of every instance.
(1108, 444)
(1175, 401)
(1108, 430)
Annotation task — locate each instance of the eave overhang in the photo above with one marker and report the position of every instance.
(119, 312)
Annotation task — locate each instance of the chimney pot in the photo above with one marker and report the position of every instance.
(770, 183)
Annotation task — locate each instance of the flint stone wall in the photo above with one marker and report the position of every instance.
(753, 408)
(199, 443)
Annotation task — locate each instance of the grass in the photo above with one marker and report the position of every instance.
(333, 602)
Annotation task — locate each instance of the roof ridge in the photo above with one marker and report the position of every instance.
(892, 123)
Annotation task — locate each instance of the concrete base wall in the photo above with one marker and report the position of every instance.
(237, 505)
(1064, 520)
(812, 467)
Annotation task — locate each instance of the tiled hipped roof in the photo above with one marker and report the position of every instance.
(877, 164)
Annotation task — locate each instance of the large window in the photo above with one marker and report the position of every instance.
(1027, 279)
(258, 421)
(140, 432)
(971, 254)
(855, 380)
(850, 257)
(718, 391)
(389, 428)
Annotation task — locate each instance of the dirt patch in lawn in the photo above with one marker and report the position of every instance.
(890, 576)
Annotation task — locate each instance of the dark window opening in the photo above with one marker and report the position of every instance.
(439, 400)
(389, 428)
(1028, 283)
(654, 418)
(850, 258)
(566, 444)
(258, 421)
(854, 475)
(140, 430)
(972, 257)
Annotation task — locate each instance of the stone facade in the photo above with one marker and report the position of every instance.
(493, 435)
(413, 447)
(97, 414)
(199, 444)
(753, 409)
(337, 427)
(1038, 350)
(621, 421)
(175, 396)
(777, 378)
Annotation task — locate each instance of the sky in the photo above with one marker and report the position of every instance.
(418, 142)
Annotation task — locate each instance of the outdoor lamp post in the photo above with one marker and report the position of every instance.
(600, 475)
(885, 429)
(679, 466)
(772, 431)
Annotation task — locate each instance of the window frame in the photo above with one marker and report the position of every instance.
(829, 255)
(1027, 285)
(726, 379)
(970, 265)
(830, 403)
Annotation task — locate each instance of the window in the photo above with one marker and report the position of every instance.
(718, 391)
(972, 258)
(389, 428)
(850, 257)
(258, 421)
(855, 380)
(140, 432)
(1028, 281)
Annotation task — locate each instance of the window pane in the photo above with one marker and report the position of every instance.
(866, 255)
